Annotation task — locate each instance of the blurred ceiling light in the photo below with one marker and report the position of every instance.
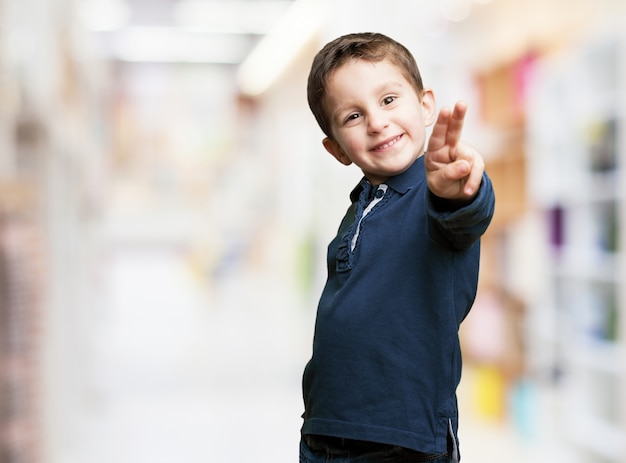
(103, 15)
(169, 44)
(272, 56)
(235, 17)
(456, 10)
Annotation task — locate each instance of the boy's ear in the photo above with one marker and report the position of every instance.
(333, 148)
(429, 107)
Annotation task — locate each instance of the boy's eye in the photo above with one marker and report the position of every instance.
(388, 100)
(352, 117)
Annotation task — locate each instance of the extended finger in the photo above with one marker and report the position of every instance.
(439, 133)
(455, 125)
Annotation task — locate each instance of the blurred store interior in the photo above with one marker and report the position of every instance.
(165, 205)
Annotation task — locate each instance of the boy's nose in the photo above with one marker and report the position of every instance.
(376, 122)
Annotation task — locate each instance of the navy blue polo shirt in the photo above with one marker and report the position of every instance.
(386, 357)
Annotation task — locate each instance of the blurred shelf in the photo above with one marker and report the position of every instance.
(599, 356)
(576, 154)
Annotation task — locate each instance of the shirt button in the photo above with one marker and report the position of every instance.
(380, 193)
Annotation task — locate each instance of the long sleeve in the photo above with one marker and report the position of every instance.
(461, 227)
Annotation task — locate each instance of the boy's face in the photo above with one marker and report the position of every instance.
(377, 119)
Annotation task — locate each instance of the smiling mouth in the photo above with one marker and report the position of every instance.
(387, 144)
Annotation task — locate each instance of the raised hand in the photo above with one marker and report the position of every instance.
(454, 169)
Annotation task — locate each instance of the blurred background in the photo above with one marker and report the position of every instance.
(165, 205)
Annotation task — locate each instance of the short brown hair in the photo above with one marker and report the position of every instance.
(368, 46)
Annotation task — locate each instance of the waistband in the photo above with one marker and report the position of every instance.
(338, 446)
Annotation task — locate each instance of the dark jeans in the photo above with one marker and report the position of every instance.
(324, 450)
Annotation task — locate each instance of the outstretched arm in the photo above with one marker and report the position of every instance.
(454, 169)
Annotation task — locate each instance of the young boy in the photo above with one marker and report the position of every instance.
(403, 268)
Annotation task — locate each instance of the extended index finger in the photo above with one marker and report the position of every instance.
(439, 134)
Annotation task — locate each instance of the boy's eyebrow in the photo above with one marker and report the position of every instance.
(388, 85)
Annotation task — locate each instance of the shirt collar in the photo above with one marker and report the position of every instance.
(409, 178)
(364, 184)
(400, 183)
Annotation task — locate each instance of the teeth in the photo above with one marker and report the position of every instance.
(387, 145)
